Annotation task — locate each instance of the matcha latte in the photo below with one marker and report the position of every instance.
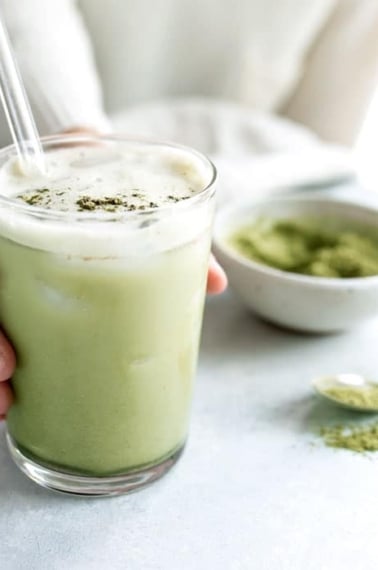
(103, 272)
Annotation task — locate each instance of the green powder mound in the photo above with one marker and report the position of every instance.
(308, 248)
(358, 397)
(360, 439)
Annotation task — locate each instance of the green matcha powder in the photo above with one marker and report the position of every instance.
(361, 438)
(306, 247)
(366, 397)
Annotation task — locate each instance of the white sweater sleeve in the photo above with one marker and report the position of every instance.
(54, 54)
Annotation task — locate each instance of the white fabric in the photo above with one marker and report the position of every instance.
(252, 51)
(341, 73)
(248, 50)
(253, 151)
(55, 57)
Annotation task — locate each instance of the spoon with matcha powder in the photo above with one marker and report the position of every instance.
(348, 390)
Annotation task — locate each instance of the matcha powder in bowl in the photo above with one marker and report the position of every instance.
(308, 247)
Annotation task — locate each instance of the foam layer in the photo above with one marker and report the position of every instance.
(142, 191)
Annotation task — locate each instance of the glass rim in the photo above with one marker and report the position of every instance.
(205, 194)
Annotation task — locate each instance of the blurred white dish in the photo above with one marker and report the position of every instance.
(307, 303)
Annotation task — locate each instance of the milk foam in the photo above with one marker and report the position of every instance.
(152, 186)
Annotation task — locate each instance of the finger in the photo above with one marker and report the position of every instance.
(81, 131)
(83, 134)
(6, 398)
(216, 278)
(7, 358)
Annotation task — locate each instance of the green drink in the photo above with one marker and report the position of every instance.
(103, 275)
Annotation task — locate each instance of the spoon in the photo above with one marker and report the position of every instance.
(348, 390)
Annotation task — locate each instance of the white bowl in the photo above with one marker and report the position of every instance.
(314, 304)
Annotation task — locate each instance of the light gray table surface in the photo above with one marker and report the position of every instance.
(256, 489)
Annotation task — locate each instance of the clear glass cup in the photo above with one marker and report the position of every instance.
(105, 311)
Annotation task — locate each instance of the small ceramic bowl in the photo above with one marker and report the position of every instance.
(313, 304)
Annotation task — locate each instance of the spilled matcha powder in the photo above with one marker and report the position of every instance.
(361, 439)
(308, 247)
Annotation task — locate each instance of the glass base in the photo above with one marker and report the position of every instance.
(63, 482)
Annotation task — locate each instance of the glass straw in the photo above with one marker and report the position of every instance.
(17, 109)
